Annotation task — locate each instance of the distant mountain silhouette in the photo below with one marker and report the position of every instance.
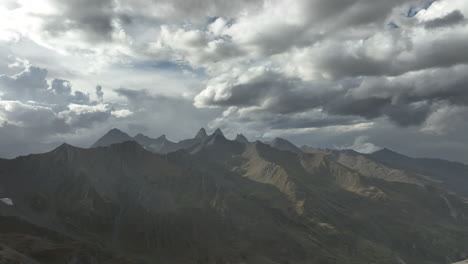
(112, 137)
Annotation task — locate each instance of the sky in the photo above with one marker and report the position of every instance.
(360, 74)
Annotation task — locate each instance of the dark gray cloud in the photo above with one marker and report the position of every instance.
(412, 114)
(31, 85)
(352, 13)
(406, 100)
(181, 10)
(268, 90)
(370, 58)
(450, 19)
(93, 18)
(61, 87)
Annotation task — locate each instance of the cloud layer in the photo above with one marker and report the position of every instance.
(263, 67)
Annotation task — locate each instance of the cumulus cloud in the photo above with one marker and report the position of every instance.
(34, 110)
(31, 85)
(93, 18)
(197, 47)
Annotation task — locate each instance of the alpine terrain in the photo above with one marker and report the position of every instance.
(209, 199)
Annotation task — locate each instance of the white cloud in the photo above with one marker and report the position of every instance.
(361, 145)
(7, 201)
(122, 113)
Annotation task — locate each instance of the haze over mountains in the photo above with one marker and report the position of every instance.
(212, 200)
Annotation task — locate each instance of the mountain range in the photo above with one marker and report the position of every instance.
(212, 200)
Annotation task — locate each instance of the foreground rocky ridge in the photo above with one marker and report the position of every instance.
(214, 200)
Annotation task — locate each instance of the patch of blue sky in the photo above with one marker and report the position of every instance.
(393, 25)
(414, 9)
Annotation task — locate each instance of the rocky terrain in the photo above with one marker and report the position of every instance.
(213, 200)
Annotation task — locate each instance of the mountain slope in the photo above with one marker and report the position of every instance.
(392, 166)
(223, 201)
(451, 175)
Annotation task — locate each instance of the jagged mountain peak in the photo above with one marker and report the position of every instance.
(111, 137)
(241, 138)
(218, 132)
(218, 143)
(201, 133)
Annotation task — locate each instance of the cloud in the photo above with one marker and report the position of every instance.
(35, 112)
(447, 119)
(122, 113)
(93, 18)
(407, 100)
(361, 145)
(99, 93)
(323, 71)
(31, 85)
(265, 88)
(197, 47)
(451, 19)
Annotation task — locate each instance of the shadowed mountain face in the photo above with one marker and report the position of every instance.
(222, 201)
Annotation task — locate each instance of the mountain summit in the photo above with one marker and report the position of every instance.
(114, 136)
(241, 138)
(201, 134)
(218, 132)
